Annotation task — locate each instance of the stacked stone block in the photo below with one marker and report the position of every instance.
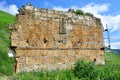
(53, 39)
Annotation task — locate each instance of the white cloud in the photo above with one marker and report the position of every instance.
(65, 9)
(113, 22)
(115, 45)
(12, 9)
(60, 8)
(95, 8)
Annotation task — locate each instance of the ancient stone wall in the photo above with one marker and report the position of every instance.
(53, 39)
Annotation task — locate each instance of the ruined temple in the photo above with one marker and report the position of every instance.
(51, 39)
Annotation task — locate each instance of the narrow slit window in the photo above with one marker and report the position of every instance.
(62, 25)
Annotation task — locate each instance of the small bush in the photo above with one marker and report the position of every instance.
(79, 12)
(6, 64)
(85, 70)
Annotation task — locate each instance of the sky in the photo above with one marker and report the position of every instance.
(107, 10)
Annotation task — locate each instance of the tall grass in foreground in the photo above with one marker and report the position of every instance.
(46, 75)
(82, 71)
(6, 64)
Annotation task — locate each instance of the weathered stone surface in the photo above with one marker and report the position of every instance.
(54, 39)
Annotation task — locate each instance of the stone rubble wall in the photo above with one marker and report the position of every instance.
(54, 59)
(53, 39)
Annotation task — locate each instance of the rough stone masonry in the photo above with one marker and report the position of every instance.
(51, 39)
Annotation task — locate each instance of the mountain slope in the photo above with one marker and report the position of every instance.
(6, 64)
(116, 51)
(114, 56)
(5, 19)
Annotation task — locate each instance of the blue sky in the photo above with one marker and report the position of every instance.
(107, 10)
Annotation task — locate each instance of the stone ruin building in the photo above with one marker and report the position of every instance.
(51, 39)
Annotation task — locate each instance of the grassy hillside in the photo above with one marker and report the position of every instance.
(115, 58)
(6, 64)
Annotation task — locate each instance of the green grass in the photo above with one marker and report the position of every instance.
(46, 75)
(82, 71)
(115, 58)
(5, 19)
(6, 63)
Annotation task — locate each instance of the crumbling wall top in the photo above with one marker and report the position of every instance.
(38, 13)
